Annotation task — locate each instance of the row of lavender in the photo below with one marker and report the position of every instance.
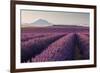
(36, 45)
(55, 47)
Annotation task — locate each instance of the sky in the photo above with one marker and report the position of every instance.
(55, 17)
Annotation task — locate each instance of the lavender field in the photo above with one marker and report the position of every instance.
(54, 43)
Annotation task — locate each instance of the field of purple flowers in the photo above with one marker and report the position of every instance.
(54, 44)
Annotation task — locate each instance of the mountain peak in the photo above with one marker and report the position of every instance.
(41, 22)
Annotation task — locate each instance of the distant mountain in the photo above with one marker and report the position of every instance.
(41, 23)
(38, 23)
